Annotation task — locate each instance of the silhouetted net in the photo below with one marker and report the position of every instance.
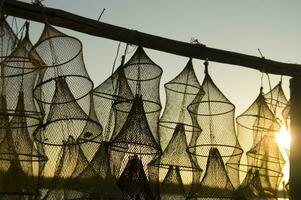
(19, 157)
(133, 181)
(277, 101)
(180, 92)
(216, 183)
(62, 58)
(215, 115)
(136, 128)
(257, 127)
(172, 187)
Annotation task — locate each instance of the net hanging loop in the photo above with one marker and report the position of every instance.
(206, 64)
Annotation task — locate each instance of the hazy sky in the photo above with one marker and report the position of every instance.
(274, 26)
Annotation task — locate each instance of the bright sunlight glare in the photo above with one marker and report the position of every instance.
(283, 138)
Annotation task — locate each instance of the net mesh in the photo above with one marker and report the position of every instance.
(62, 57)
(133, 181)
(215, 115)
(259, 125)
(216, 183)
(172, 187)
(19, 157)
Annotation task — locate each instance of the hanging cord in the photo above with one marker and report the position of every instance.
(212, 137)
(113, 67)
(103, 10)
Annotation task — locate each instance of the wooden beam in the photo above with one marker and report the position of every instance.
(92, 27)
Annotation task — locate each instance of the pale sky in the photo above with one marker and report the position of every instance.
(242, 26)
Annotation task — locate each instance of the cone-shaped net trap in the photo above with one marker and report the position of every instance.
(215, 114)
(66, 119)
(8, 39)
(113, 89)
(216, 183)
(277, 101)
(133, 181)
(62, 57)
(136, 120)
(136, 133)
(143, 77)
(256, 132)
(172, 187)
(180, 92)
(67, 161)
(175, 153)
(19, 157)
(93, 180)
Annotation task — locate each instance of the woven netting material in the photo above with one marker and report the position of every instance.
(215, 115)
(175, 153)
(216, 183)
(62, 56)
(114, 89)
(133, 181)
(66, 119)
(180, 92)
(172, 186)
(19, 157)
(93, 180)
(136, 112)
(277, 101)
(259, 125)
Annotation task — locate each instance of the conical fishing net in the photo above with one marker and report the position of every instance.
(8, 39)
(62, 58)
(251, 188)
(136, 127)
(257, 127)
(133, 181)
(175, 153)
(66, 119)
(114, 89)
(277, 101)
(216, 183)
(215, 115)
(180, 92)
(65, 167)
(172, 187)
(19, 157)
(143, 77)
(94, 180)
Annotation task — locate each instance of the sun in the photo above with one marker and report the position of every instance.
(283, 138)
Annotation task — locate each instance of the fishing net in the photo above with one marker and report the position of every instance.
(62, 58)
(66, 164)
(19, 157)
(277, 101)
(8, 39)
(114, 89)
(216, 183)
(93, 180)
(215, 115)
(180, 92)
(133, 181)
(172, 186)
(66, 119)
(136, 128)
(257, 127)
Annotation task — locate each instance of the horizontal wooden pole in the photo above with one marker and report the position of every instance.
(92, 27)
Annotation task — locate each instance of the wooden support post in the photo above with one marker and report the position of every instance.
(295, 152)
